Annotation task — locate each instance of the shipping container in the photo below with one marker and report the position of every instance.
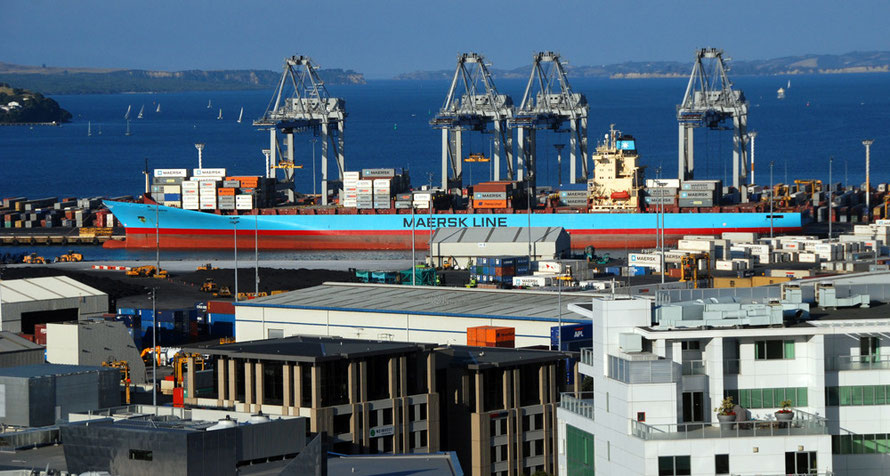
(490, 204)
(491, 336)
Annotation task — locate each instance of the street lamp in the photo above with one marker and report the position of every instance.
(200, 147)
(867, 144)
(559, 148)
(830, 198)
(235, 235)
(314, 182)
(771, 190)
(752, 135)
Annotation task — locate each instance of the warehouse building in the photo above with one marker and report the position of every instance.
(460, 246)
(495, 407)
(40, 395)
(93, 342)
(16, 351)
(406, 313)
(26, 302)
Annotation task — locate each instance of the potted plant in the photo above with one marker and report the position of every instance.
(725, 411)
(785, 414)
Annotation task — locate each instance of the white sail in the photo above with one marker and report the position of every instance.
(209, 105)
(789, 84)
(128, 127)
(220, 114)
(89, 128)
(240, 115)
(159, 108)
(127, 114)
(141, 110)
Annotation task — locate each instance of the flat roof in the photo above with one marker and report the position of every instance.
(308, 348)
(478, 358)
(46, 370)
(11, 342)
(43, 289)
(442, 464)
(430, 300)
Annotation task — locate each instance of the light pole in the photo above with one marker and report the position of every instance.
(867, 143)
(752, 135)
(559, 305)
(256, 250)
(200, 147)
(414, 249)
(559, 148)
(235, 235)
(830, 198)
(154, 349)
(528, 194)
(659, 219)
(771, 190)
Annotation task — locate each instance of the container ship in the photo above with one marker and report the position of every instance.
(376, 210)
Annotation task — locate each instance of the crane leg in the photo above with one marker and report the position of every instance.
(324, 164)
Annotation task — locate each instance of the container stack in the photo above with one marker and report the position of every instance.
(364, 194)
(500, 270)
(166, 187)
(350, 189)
(383, 193)
(699, 193)
(207, 194)
(423, 199)
(494, 194)
(190, 195)
(573, 198)
(404, 200)
(666, 196)
(491, 336)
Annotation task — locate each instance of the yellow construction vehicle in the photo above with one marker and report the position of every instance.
(689, 268)
(209, 286)
(809, 186)
(206, 267)
(180, 361)
(246, 296)
(70, 257)
(33, 258)
(226, 340)
(224, 291)
(124, 367)
(277, 292)
(147, 272)
(146, 351)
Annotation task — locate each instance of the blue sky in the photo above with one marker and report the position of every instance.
(383, 38)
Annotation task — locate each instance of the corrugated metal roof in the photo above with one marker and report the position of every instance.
(42, 289)
(45, 370)
(495, 303)
(10, 342)
(497, 234)
(309, 348)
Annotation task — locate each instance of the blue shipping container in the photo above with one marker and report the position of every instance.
(574, 336)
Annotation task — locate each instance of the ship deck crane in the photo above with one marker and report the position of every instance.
(711, 102)
(301, 103)
(548, 103)
(473, 104)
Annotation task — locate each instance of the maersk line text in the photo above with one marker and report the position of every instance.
(454, 222)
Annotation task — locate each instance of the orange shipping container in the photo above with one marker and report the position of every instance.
(491, 336)
(489, 204)
(226, 192)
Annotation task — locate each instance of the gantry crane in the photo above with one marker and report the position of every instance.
(710, 102)
(548, 103)
(473, 104)
(301, 103)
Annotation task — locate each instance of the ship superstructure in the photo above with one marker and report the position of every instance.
(617, 176)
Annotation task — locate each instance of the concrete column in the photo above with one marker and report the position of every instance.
(480, 400)
(233, 388)
(445, 148)
(549, 438)
(433, 423)
(552, 383)
(298, 388)
(248, 386)
(513, 450)
(316, 386)
(259, 386)
(576, 374)
(403, 376)
(542, 384)
(507, 377)
(286, 375)
(351, 381)
(363, 385)
(190, 379)
(480, 438)
(516, 401)
(431, 372)
(220, 382)
(391, 380)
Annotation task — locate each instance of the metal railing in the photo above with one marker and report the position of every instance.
(694, 367)
(803, 424)
(856, 362)
(732, 366)
(644, 371)
(581, 405)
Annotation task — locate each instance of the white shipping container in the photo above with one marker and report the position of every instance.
(532, 281)
(549, 267)
(666, 183)
(208, 172)
(190, 205)
(190, 185)
(206, 179)
(724, 265)
(674, 256)
(696, 245)
(351, 175)
(208, 206)
(423, 197)
(645, 260)
(739, 237)
(172, 189)
(365, 183)
(171, 173)
(744, 263)
(421, 204)
(807, 258)
(382, 183)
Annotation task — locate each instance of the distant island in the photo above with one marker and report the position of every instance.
(61, 80)
(20, 106)
(855, 62)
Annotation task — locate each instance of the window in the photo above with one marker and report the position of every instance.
(674, 465)
(856, 395)
(140, 455)
(275, 333)
(802, 462)
(641, 416)
(721, 464)
(773, 349)
(768, 397)
(869, 349)
(690, 345)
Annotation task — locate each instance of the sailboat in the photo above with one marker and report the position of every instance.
(128, 128)
(209, 105)
(240, 115)
(127, 114)
(159, 108)
(89, 129)
(141, 110)
(780, 93)
(789, 84)
(219, 117)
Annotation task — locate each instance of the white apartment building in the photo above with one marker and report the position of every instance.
(659, 372)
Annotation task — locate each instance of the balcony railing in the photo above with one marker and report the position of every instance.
(732, 366)
(856, 362)
(802, 424)
(644, 371)
(581, 405)
(694, 367)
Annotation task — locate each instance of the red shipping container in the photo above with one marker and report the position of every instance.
(220, 307)
(178, 397)
(40, 334)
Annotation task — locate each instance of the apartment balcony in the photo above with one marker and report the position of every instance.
(856, 362)
(694, 367)
(803, 424)
(587, 356)
(581, 405)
